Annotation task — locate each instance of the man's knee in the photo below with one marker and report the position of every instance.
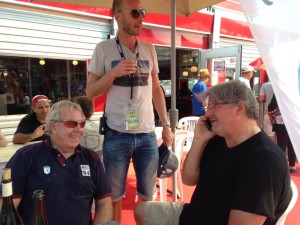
(139, 213)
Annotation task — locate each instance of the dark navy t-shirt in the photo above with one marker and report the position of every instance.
(69, 189)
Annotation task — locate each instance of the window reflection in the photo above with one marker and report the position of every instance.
(23, 78)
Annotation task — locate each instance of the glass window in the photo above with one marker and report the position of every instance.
(78, 78)
(23, 78)
(14, 85)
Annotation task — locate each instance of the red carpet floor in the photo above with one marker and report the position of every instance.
(128, 202)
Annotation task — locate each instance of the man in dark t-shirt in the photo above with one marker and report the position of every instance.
(242, 176)
(31, 127)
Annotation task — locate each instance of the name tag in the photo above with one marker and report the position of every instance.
(132, 119)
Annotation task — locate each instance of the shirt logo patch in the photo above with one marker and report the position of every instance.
(47, 169)
(85, 169)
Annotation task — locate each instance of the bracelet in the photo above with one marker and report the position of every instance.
(166, 123)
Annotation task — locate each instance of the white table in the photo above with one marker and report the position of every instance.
(7, 152)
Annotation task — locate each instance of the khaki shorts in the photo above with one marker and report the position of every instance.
(162, 213)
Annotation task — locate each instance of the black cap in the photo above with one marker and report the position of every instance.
(168, 162)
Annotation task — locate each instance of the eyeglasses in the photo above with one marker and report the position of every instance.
(71, 123)
(212, 106)
(135, 13)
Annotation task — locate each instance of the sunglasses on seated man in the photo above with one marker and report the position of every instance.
(135, 13)
(71, 123)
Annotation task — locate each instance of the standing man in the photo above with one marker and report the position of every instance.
(265, 96)
(32, 126)
(127, 69)
(199, 103)
(246, 75)
(241, 175)
(70, 175)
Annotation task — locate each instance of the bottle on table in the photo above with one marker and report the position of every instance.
(9, 214)
(39, 214)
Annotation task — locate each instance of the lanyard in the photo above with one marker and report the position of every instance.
(123, 57)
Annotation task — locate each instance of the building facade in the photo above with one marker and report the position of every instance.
(45, 47)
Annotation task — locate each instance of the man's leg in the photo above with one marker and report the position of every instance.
(157, 213)
(145, 161)
(117, 152)
(117, 211)
(139, 213)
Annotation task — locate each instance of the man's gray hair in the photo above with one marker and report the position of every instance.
(56, 108)
(233, 92)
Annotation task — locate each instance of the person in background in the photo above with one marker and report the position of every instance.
(246, 75)
(26, 103)
(184, 103)
(3, 141)
(70, 175)
(184, 91)
(91, 138)
(265, 96)
(283, 138)
(199, 103)
(241, 175)
(32, 126)
(127, 69)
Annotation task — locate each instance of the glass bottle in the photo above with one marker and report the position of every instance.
(8, 215)
(39, 214)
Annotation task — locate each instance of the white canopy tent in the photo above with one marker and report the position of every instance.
(278, 40)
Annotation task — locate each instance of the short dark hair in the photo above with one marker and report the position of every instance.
(116, 5)
(86, 105)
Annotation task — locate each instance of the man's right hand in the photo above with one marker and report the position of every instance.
(39, 131)
(124, 68)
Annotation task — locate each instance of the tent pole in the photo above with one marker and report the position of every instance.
(173, 111)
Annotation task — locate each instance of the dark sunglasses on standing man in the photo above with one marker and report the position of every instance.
(135, 13)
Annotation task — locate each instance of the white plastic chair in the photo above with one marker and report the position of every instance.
(291, 204)
(180, 139)
(188, 124)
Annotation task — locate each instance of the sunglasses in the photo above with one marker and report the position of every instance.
(71, 123)
(135, 13)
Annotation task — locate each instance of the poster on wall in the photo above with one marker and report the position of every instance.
(220, 67)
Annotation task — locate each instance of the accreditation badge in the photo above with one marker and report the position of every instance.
(132, 118)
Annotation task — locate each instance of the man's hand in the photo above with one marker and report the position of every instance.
(124, 68)
(39, 131)
(167, 135)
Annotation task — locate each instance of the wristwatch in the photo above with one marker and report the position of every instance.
(166, 123)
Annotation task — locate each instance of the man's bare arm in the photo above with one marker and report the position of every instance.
(20, 138)
(238, 217)
(103, 211)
